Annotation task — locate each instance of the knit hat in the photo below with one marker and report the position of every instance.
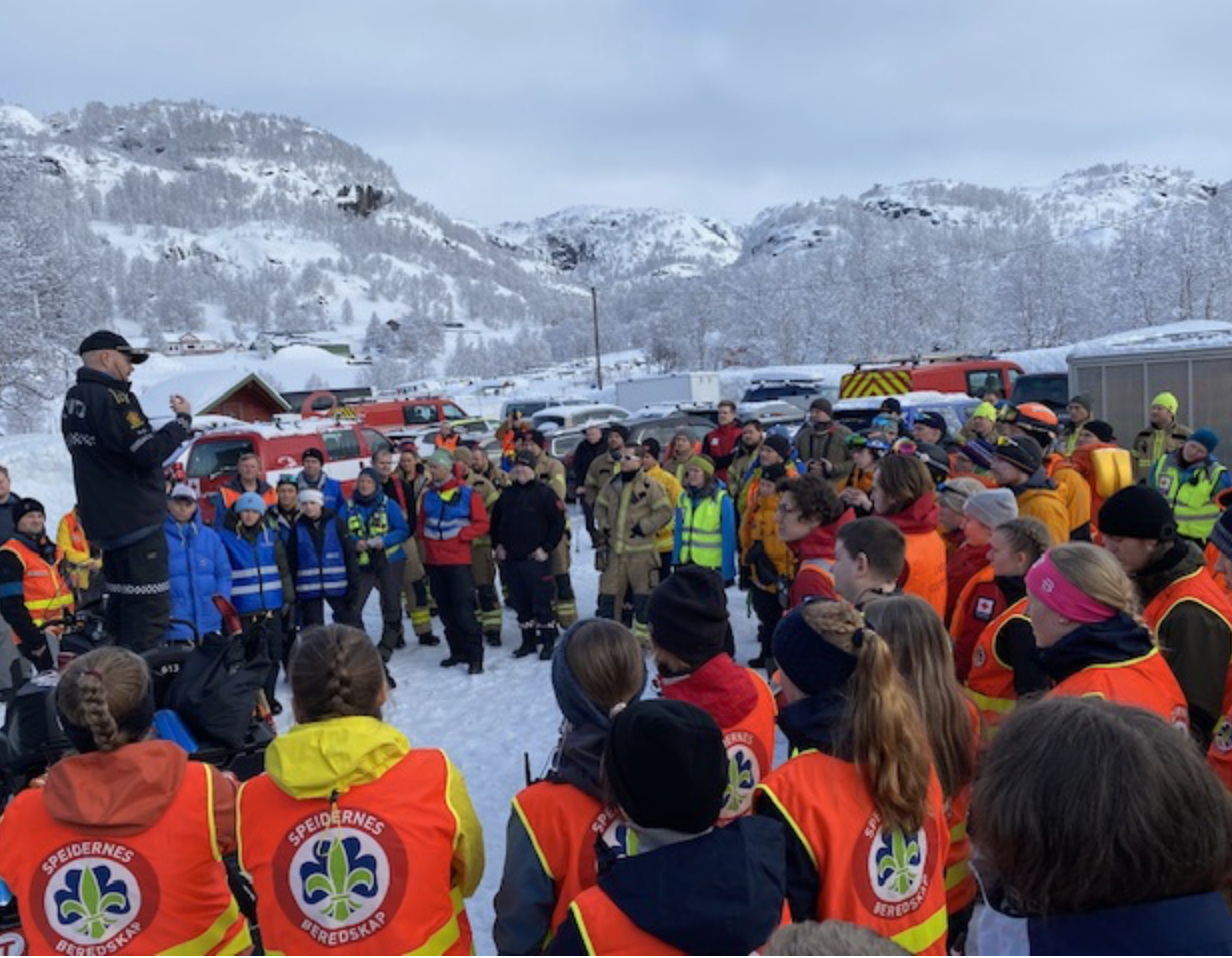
(1168, 401)
(576, 706)
(23, 507)
(933, 420)
(464, 456)
(440, 457)
(993, 507)
(936, 458)
(1137, 512)
(823, 404)
(525, 457)
(1020, 451)
(807, 658)
(1100, 430)
(978, 451)
(704, 463)
(287, 479)
(1208, 439)
(687, 613)
(651, 447)
(779, 444)
(667, 765)
(183, 490)
(1221, 533)
(954, 493)
(891, 405)
(985, 410)
(309, 496)
(620, 429)
(1084, 400)
(312, 452)
(249, 502)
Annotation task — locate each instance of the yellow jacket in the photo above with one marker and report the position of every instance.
(71, 541)
(664, 536)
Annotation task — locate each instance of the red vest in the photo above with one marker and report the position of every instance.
(813, 578)
(563, 823)
(979, 603)
(372, 875)
(750, 752)
(891, 883)
(990, 683)
(960, 885)
(160, 890)
(1146, 682)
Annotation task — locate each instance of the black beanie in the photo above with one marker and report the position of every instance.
(667, 766)
(779, 444)
(1023, 452)
(23, 507)
(1137, 512)
(687, 614)
(1099, 429)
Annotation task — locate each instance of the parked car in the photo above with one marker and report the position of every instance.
(567, 416)
(210, 459)
(974, 375)
(857, 414)
(800, 390)
(528, 407)
(1051, 389)
(772, 413)
(469, 429)
(398, 417)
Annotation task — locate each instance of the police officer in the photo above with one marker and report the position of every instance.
(117, 469)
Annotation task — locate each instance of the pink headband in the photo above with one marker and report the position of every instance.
(1046, 583)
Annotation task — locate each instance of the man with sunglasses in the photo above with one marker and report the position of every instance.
(1018, 465)
(630, 510)
(121, 496)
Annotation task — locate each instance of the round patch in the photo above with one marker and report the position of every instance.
(340, 882)
(614, 831)
(979, 657)
(95, 895)
(744, 766)
(890, 868)
(1222, 739)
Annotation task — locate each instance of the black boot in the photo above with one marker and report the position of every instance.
(453, 660)
(493, 639)
(429, 639)
(530, 638)
(547, 636)
(389, 680)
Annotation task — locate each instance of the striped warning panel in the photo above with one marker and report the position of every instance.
(875, 382)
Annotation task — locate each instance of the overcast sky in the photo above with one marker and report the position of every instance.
(509, 109)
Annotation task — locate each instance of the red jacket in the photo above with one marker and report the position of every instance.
(450, 518)
(720, 445)
(813, 578)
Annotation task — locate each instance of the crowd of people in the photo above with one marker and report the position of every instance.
(1000, 664)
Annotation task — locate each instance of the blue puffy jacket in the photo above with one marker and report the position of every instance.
(200, 570)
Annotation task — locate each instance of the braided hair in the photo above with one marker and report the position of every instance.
(336, 671)
(102, 699)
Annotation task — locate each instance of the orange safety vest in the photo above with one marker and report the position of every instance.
(370, 875)
(960, 886)
(448, 443)
(1219, 754)
(990, 683)
(230, 496)
(159, 891)
(978, 604)
(606, 930)
(889, 882)
(48, 599)
(813, 580)
(924, 570)
(1145, 681)
(564, 823)
(750, 752)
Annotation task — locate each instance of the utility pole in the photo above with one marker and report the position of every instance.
(594, 303)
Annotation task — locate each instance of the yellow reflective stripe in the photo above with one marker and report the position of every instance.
(444, 937)
(581, 925)
(55, 602)
(1121, 665)
(213, 936)
(987, 702)
(239, 944)
(919, 937)
(958, 832)
(209, 812)
(957, 874)
(534, 840)
(765, 790)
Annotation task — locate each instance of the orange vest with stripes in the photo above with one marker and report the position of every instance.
(1145, 681)
(47, 597)
(370, 875)
(925, 569)
(990, 683)
(884, 880)
(564, 823)
(960, 884)
(606, 930)
(162, 890)
(978, 604)
(750, 752)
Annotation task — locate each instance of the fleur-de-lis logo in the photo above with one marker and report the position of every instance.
(338, 876)
(741, 780)
(92, 901)
(899, 862)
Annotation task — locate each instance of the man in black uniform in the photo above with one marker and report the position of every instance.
(117, 469)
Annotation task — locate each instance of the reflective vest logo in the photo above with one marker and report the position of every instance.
(979, 657)
(1222, 740)
(890, 868)
(96, 897)
(743, 774)
(984, 607)
(1165, 482)
(340, 882)
(614, 831)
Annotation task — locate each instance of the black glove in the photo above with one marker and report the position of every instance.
(637, 532)
(601, 559)
(38, 656)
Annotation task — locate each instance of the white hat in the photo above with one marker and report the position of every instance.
(184, 491)
(311, 495)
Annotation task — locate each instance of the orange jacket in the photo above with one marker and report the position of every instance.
(886, 881)
(758, 524)
(46, 596)
(990, 683)
(1048, 506)
(1074, 489)
(100, 889)
(924, 572)
(1146, 682)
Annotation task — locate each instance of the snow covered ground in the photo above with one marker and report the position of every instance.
(486, 723)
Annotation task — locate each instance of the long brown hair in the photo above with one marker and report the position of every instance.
(887, 735)
(99, 690)
(903, 479)
(335, 671)
(607, 662)
(923, 655)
